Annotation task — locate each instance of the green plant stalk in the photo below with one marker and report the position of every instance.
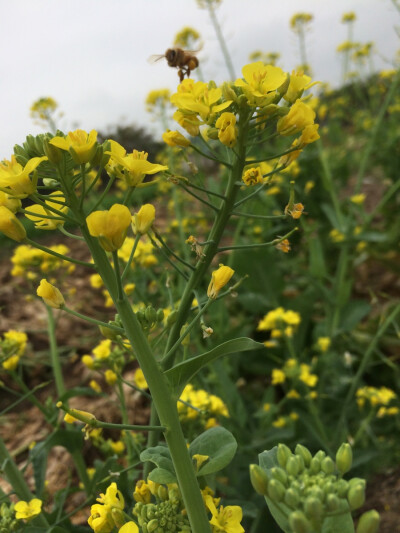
(364, 362)
(221, 40)
(340, 280)
(215, 235)
(93, 321)
(378, 123)
(17, 481)
(54, 355)
(163, 399)
(328, 183)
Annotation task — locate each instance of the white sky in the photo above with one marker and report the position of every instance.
(91, 55)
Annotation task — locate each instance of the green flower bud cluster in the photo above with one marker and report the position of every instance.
(32, 147)
(163, 517)
(8, 523)
(308, 488)
(150, 317)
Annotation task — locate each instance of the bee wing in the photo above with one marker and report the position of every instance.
(155, 57)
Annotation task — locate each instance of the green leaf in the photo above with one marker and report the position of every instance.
(160, 456)
(162, 476)
(220, 446)
(338, 524)
(353, 313)
(183, 372)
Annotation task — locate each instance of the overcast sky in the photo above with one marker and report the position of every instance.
(91, 55)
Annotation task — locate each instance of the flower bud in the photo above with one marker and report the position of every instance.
(53, 153)
(118, 517)
(320, 455)
(305, 453)
(150, 314)
(21, 155)
(279, 474)
(174, 138)
(152, 525)
(327, 465)
(160, 315)
(219, 278)
(332, 503)
(299, 523)
(276, 491)
(171, 318)
(344, 458)
(313, 508)
(283, 453)
(10, 225)
(292, 498)
(50, 294)
(108, 333)
(369, 522)
(143, 219)
(315, 465)
(259, 479)
(341, 487)
(293, 465)
(356, 496)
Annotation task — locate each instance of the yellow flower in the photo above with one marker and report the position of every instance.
(252, 176)
(199, 460)
(100, 519)
(134, 166)
(16, 178)
(261, 82)
(10, 225)
(142, 492)
(140, 380)
(348, 17)
(278, 376)
(299, 82)
(93, 383)
(143, 219)
(112, 498)
(186, 36)
(336, 236)
(225, 519)
(300, 115)
(279, 422)
(219, 278)
(11, 363)
(296, 211)
(110, 226)
(358, 199)
(81, 145)
(27, 510)
(117, 446)
(306, 377)
(174, 138)
(190, 122)
(323, 343)
(159, 97)
(13, 204)
(50, 294)
(69, 418)
(129, 527)
(40, 215)
(299, 20)
(227, 131)
(110, 377)
(283, 246)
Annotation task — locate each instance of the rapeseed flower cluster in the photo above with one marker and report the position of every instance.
(108, 358)
(29, 262)
(294, 371)
(281, 323)
(199, 410)
(378, 398)
(12, 348)
(108, 512)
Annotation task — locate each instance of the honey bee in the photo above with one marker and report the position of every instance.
(184, 60)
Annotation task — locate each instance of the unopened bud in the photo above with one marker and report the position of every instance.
(152, 525)
(118, 517)
(356, 496)
(276, 491)
(332, 503)
(299, 523)
(171, 319)
(160, 315)
(315, 465)
(259, 479)
(108, 333)
(283, 453)
(162, 493)
(369, 522)
(292, 498)
(279, 474)
(313, 508)
(53, 153)
(344, 458)
(327, 465)
(293, 465)
(186, 340)
(228, 92)
(341, 487)
(21, 155)
(305, 453)
(320, 455)
(150, 314)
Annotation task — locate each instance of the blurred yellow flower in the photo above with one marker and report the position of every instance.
(10, 225)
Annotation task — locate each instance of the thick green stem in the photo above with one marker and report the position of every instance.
(214, 237)
(164, 400)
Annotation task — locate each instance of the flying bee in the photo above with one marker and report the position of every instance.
(184, 60)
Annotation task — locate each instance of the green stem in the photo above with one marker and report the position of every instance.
(91, 320)
(29, 394)
(56, 254)
(128, 264)
(364, 362)
(17, 481)
(257, 245)
(54, 355)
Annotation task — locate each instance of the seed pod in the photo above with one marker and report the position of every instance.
(259, 479)
(305, 453)
(327, 465)
(344, 458)
(369, 522)
(276, 490)
(283, 453)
